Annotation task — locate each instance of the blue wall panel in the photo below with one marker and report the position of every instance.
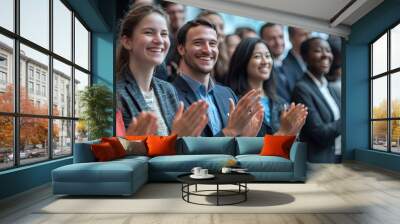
(356, 82)
(103, 58)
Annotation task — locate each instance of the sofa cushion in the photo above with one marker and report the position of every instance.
(206, 145)
(249, 145)
(277, 145)
(161, 145)
(103, 152)
(134, 147)
(116, 145)
(185, 163)
(111, 171)
(257, 163)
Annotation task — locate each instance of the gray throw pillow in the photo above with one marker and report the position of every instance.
(133, 147)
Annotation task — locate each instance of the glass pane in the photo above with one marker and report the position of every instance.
(33, 139)
(6, 74)
(379, 135)
(6, 142)
(34, 92)
(379, 55)
(395, 47)
(62, 29)
(62, 89)
(395, 138)
(62, 138)
(7, 14)
(395, 95)
(379, 98)
(81, 81)
(35, 21)
(81, 131)
(81, 45)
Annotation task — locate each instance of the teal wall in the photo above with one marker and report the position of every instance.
(24, 178)
(98, 15)
(356, 83)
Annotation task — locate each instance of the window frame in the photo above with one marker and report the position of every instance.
(16, 115)
(388, 74)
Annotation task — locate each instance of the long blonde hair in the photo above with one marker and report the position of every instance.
(128, 24)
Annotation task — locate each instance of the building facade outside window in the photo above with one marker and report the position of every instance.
(46, 124)
(385, 94)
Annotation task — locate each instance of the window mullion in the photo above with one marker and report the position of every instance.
(73, 82)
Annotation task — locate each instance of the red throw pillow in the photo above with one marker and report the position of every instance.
(103, 152)
(116, 145)
(277, 146)
(161, 145)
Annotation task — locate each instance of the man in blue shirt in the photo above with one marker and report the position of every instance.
(197, 45)
(198, 48)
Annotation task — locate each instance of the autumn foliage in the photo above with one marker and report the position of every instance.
(33, 131)
(380, 127)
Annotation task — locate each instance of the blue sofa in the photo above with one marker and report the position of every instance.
(125, 176)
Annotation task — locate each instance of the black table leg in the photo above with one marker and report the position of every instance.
(217, 194)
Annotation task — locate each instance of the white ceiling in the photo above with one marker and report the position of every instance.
(315, 15)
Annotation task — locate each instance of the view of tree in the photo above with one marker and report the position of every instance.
(380, 128)
(33, 130)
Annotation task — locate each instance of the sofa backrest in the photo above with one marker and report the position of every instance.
(206, 145)
(249, 145)
(83, 153)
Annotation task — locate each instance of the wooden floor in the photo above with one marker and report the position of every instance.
(377, 188)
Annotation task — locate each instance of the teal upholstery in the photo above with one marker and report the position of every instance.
(259, 163)
(207, 145)
(119, 177)
(83, 152)
(249, 145)
(179, 164)
(125, 176)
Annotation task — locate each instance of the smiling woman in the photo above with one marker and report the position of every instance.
(148, 104)
(322, 130)
(251, 68)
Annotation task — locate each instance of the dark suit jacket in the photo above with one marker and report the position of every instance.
(320, 129)
(274, 124)
(132, 101)
(282, 83)
(292, 69)
(221, 99)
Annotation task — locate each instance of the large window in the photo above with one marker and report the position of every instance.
(385, 93)
(44, 64)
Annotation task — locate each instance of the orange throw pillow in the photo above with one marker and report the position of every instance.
(103, 152)
(135, 138)
(277, 146)
(161, 145)
(116, 145)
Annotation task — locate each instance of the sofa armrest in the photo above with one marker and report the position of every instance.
(298, 155)
(83, 152)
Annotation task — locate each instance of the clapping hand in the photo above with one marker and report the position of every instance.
(144, 124)
(240, 119)
(192, 121)
(292, 119)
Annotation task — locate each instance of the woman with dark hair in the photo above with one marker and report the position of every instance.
(322, 128)
(251, 68)
(149, 105)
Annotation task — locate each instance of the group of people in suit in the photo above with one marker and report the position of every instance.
(246, 103)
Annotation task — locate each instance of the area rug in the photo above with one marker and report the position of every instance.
(167, 198)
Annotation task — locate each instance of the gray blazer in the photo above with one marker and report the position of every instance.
(131, 100)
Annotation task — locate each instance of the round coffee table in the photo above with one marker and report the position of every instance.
(238, 179)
